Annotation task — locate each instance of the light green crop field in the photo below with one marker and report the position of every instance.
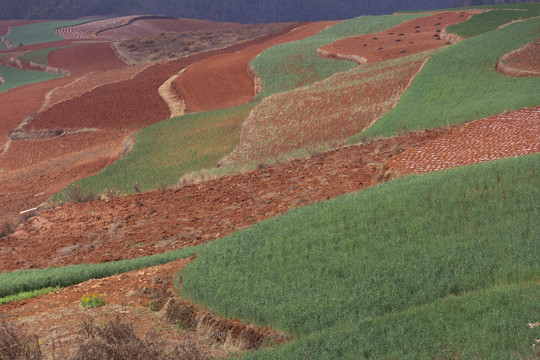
(165, 151)
(348, 276)
(491, 20)
(15, 77)
(41, 32)
(460, 84)
(17, 284)
(291, 65)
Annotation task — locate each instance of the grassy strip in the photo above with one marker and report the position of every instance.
(291, 65)
(488, 324)
(390, 248)
(461, 84)
(39, 56)
(488, 21)
(27, 295)
(520, 6)
(165, 151)
(41, 32)
(16, 77)
(15, 282)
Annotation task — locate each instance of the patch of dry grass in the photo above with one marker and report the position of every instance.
(173, 45)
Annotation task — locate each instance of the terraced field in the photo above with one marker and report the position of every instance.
(311, 251)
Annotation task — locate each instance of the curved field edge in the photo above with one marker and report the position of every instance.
(41, 32)
(291, 65)
(461, 83)
(166, 151)
(492, 323)
(491, 20)
(385, 250)
(21, 281)
(15, 77)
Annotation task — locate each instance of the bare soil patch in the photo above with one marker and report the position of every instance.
(501, 136)
(34, 170)
(521, 62)
(226, 78)
(164, 46)
(160, 221)
(147, 300)
(81, 60)
(410, 37)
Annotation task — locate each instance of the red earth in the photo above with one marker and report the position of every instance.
(159, 221)
(521, 62)
(225, 79)
(506, 135)
(404, 39)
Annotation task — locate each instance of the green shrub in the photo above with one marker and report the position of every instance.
(92, 300)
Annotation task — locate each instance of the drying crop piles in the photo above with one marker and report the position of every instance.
(461, 84)
(288, 66)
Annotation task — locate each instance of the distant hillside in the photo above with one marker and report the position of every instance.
(244, 11)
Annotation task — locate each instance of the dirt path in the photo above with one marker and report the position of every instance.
(408, 38)
(495, 137)
(225, 81)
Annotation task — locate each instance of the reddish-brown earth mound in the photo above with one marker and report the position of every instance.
(160, 221)
(224, 81)
(521, 62)
(407, 38)
(496, 137)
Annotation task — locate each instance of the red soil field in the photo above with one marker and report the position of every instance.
(128, 104)
(34, 170)
(495, 137)
(521, 62)
(404, 39)
(224, 81)
(81, 60)
(159, 221)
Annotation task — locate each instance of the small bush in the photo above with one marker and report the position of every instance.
(75, 193)
(16, 343)
(7, 227)
(117, 340)
(92, 300)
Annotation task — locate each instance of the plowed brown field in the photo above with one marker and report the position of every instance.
(159, 221)
(521, 62)
(224, 81)
(495, 137)
(407, 38)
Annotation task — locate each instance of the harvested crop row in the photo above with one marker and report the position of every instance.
(496, 137)
(88, 30)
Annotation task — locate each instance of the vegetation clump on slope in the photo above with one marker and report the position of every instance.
(347, 270)
(460, 84)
